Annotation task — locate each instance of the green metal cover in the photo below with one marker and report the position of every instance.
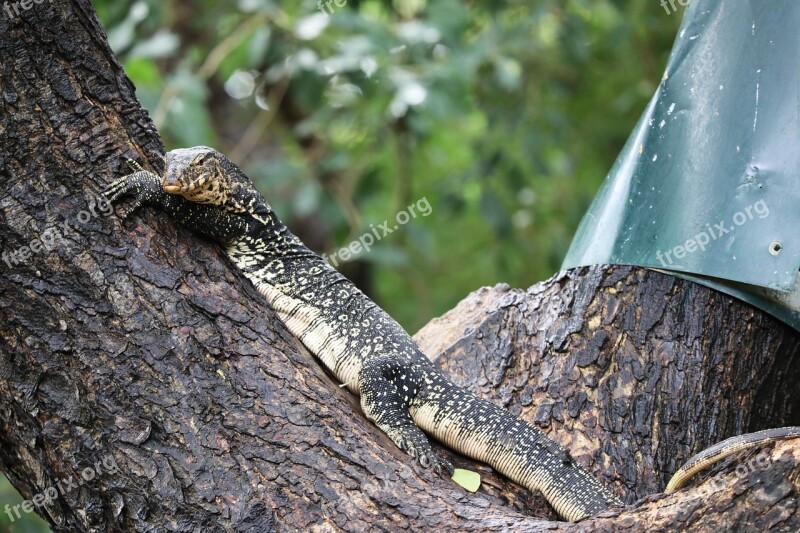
(708, 185)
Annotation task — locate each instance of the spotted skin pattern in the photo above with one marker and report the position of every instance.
(401, 391)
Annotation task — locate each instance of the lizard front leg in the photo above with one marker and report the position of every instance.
(147, 189)
(142, 185)
(388, 386)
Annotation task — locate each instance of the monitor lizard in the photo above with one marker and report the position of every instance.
(401, 391)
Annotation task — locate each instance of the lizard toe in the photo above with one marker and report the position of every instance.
(443, 467)
(425, 461)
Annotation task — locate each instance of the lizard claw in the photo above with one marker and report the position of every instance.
(143, 186)
(425, 461)
(411, 440)
(119, 189)
(134, 166)
(115, 190)
(443, 466)
(429, 459)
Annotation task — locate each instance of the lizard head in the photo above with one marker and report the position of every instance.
(205, 176)
(194, 173)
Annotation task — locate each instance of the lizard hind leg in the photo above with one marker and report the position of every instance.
(387, 386)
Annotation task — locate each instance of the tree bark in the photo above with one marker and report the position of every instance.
(147, 382)
(632, 370)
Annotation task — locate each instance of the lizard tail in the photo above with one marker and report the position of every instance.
(726, 448)
(516, 449)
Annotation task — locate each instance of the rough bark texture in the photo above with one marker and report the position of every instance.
(135, 341)
(632, 370)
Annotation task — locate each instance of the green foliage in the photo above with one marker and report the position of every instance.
(27, 522)
(505, 116)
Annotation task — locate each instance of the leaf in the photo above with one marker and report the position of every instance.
(163, 43)
(468, 479)
(144, 73)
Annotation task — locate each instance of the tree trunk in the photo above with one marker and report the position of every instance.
(146, 386)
